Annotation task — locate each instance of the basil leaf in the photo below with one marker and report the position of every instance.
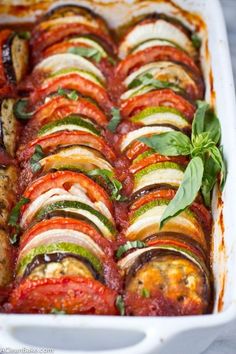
(15, 213)
(128, 246)
(169, 144)
(196, 40)
(147, 79)
(36, 157)
(187, 191)
(115, 120)
(211, 170)
(108, 176)
(24, 35)
(216, 155)
(120, 305)
(201, 145)
(205, 121)
(145, 293)
(92, 53)
(198, 121)
(57, 312)
(71, 95)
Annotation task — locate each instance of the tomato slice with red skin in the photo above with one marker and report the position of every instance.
(65, 179)
(155, 158)
(66, 138)
(75, 82)
(43, 39)
(136, 148)
(60, 107)
(66, 224)
(157, 98)
(73, 295)
(149, 55)
(179, 242)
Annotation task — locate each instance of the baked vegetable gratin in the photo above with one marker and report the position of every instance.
(109, 155)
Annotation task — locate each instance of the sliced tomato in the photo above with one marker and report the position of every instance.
(65, 179)
(72, 295)
(135, 149)
(60, 107)
(157, 194)
(66, 224)
(43, 39)
(180, 241)
(155, 158)
(73, 82)
(50, 142)
(157, 98)
(149, 55)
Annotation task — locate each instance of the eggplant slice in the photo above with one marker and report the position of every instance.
(15, 55)
(5, 259)
(8, 179)
(9, 126)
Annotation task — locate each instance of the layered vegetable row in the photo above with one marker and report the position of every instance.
(117, 161)
(165, 266)
(65, 258)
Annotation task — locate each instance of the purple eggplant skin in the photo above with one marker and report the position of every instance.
(8, 61)
(15, 56)
(58, 257)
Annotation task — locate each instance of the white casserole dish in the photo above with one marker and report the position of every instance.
(159, 335)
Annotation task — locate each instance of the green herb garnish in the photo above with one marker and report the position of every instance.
(14, 219)
(206, 159)
(120, 305)
(109, 178)
(57, 312)
(36, 157)
(128, 246)
(145, 293)
(24, 35)
(71, 95)
(196, 40)
(92, 53)
(115, 120)
(147, 79)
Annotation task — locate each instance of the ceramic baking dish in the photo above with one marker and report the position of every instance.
(159, 335)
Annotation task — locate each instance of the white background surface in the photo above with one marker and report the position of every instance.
(226, 343)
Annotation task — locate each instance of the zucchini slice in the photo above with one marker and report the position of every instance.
(70, 123)
(162, 116)
(105, 226)
(162, 173)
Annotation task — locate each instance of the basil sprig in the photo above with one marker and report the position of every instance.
(109, 178)
(206, 159)
(70, 94)
(92, 53)
(120, 305)
(147, 79)
(36, 157)
(115, 120)
(14, 218)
